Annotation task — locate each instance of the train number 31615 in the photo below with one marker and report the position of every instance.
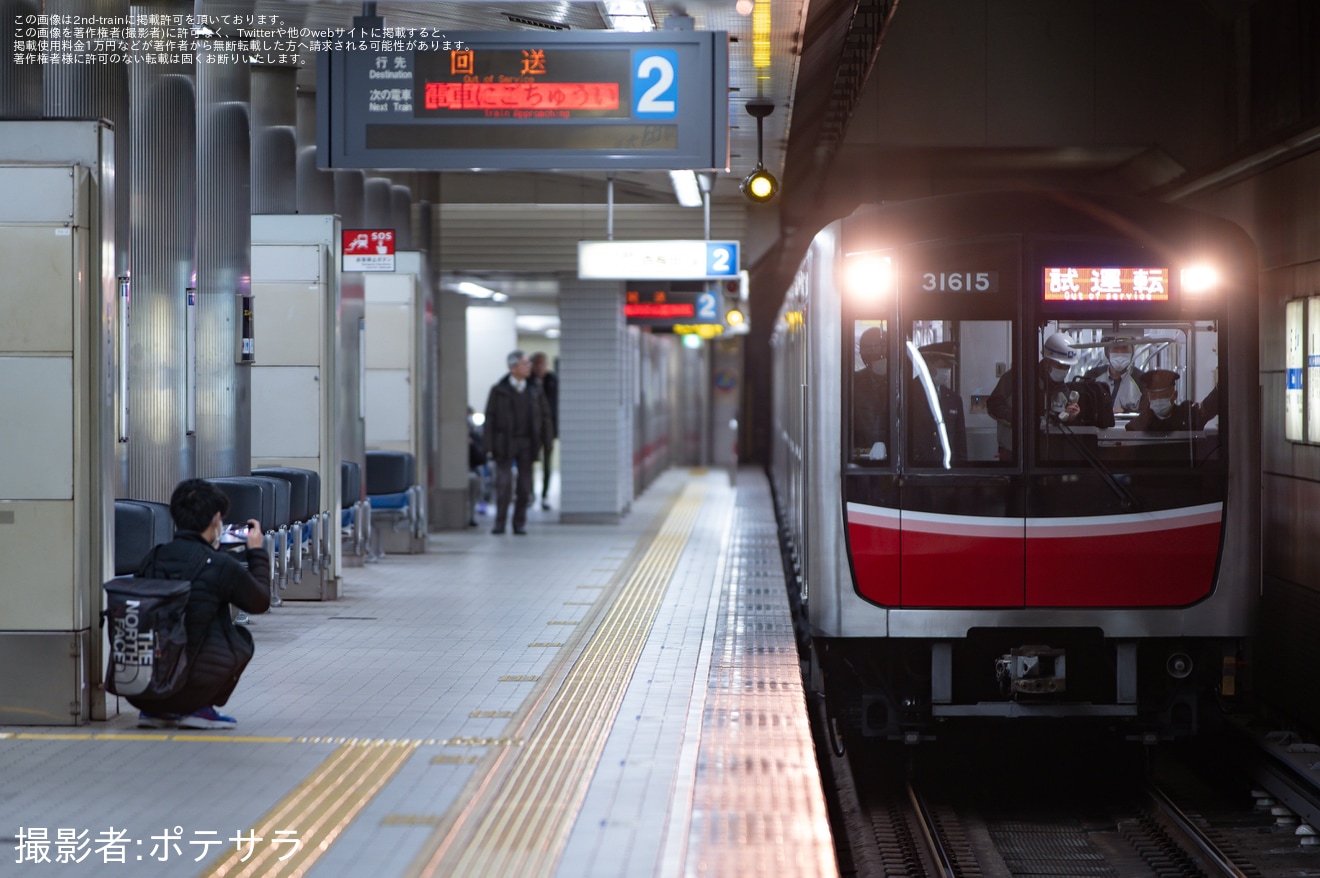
(960, 281)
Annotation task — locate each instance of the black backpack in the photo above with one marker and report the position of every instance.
(149, 653)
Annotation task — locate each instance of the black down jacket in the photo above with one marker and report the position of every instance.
(217, 651)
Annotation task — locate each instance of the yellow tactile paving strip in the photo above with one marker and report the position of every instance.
(325, 804)
(525, 804)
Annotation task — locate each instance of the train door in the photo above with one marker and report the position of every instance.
(961, 528)
(961, 492)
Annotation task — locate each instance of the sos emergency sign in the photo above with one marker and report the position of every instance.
(368, 250)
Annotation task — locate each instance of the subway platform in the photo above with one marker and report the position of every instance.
(586, 700)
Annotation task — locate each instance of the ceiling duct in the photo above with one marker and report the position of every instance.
(528, 21)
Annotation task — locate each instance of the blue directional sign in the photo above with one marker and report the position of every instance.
(721, 259)
(521, 100)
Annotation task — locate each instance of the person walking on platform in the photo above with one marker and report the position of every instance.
(517, 420)
(548, 383)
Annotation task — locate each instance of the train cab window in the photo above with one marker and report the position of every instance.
(870, 392)
(1128, 393)
(954, 366)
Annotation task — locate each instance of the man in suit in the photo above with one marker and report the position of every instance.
(517, 421)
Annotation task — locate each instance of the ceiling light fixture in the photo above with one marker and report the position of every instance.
(686, 188)
(760, 185)
(474, 290)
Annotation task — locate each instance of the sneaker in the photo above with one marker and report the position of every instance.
(545, 504)
(207, 718)
(157, 721)
(497, 530)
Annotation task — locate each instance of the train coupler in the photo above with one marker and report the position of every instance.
(1032, 670)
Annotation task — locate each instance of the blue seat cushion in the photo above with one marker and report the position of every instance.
(389, 501)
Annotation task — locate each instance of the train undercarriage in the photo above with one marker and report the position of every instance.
(905, 689)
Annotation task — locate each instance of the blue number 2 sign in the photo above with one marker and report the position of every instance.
(721, 259)
(655, 84)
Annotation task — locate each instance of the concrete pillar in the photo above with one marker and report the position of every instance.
(449, 494)
(595, 403)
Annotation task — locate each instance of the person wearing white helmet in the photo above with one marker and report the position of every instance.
(1072, 403)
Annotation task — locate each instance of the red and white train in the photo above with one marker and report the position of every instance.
(1016, 459)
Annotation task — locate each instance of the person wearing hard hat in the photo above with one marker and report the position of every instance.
(1072, 403)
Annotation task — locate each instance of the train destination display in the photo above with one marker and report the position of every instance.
(1111, 284)
(529, 101)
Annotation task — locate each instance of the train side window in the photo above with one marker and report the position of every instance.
(870, 392)
(955, 366)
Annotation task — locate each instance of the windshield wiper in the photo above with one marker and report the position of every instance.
(1128, 499)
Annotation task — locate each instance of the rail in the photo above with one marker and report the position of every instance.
(1191, 838)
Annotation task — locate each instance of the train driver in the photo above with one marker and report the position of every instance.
(925, 446)
(1117, 376)
(1073, 403)
(870, 399)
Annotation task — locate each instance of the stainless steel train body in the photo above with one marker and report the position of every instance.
(956, 564)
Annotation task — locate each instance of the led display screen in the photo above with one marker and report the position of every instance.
(1108, 284)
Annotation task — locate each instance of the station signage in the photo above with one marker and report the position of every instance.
(368, 250)
(518, 100)
(657, 260)
(664, 304)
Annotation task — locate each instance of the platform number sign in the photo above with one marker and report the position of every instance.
(708, 307)
(721, 259)
(655, 84)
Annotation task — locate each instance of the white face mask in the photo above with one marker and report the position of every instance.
(943, 377)
(1058, 373)
(1120, 362)
(1161, 407)
(880, 367)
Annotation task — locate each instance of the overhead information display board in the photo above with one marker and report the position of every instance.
(665, 303)
(657, 260)
(516, 100)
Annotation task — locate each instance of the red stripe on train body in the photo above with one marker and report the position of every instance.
(1164, 559)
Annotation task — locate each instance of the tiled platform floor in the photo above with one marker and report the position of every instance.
(453, 670)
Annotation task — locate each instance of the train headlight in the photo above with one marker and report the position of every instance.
(1198, 280)
(868, 276)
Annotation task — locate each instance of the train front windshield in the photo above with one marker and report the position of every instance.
(941, 392)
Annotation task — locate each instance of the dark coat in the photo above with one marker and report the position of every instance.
(924, 446)
(1092, 398)
(217, 651)
(1181, 417)
(1094, 375)
(501, 418)
(548, 384)
(870, 421)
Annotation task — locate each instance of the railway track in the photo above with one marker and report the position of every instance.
(940, 816)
